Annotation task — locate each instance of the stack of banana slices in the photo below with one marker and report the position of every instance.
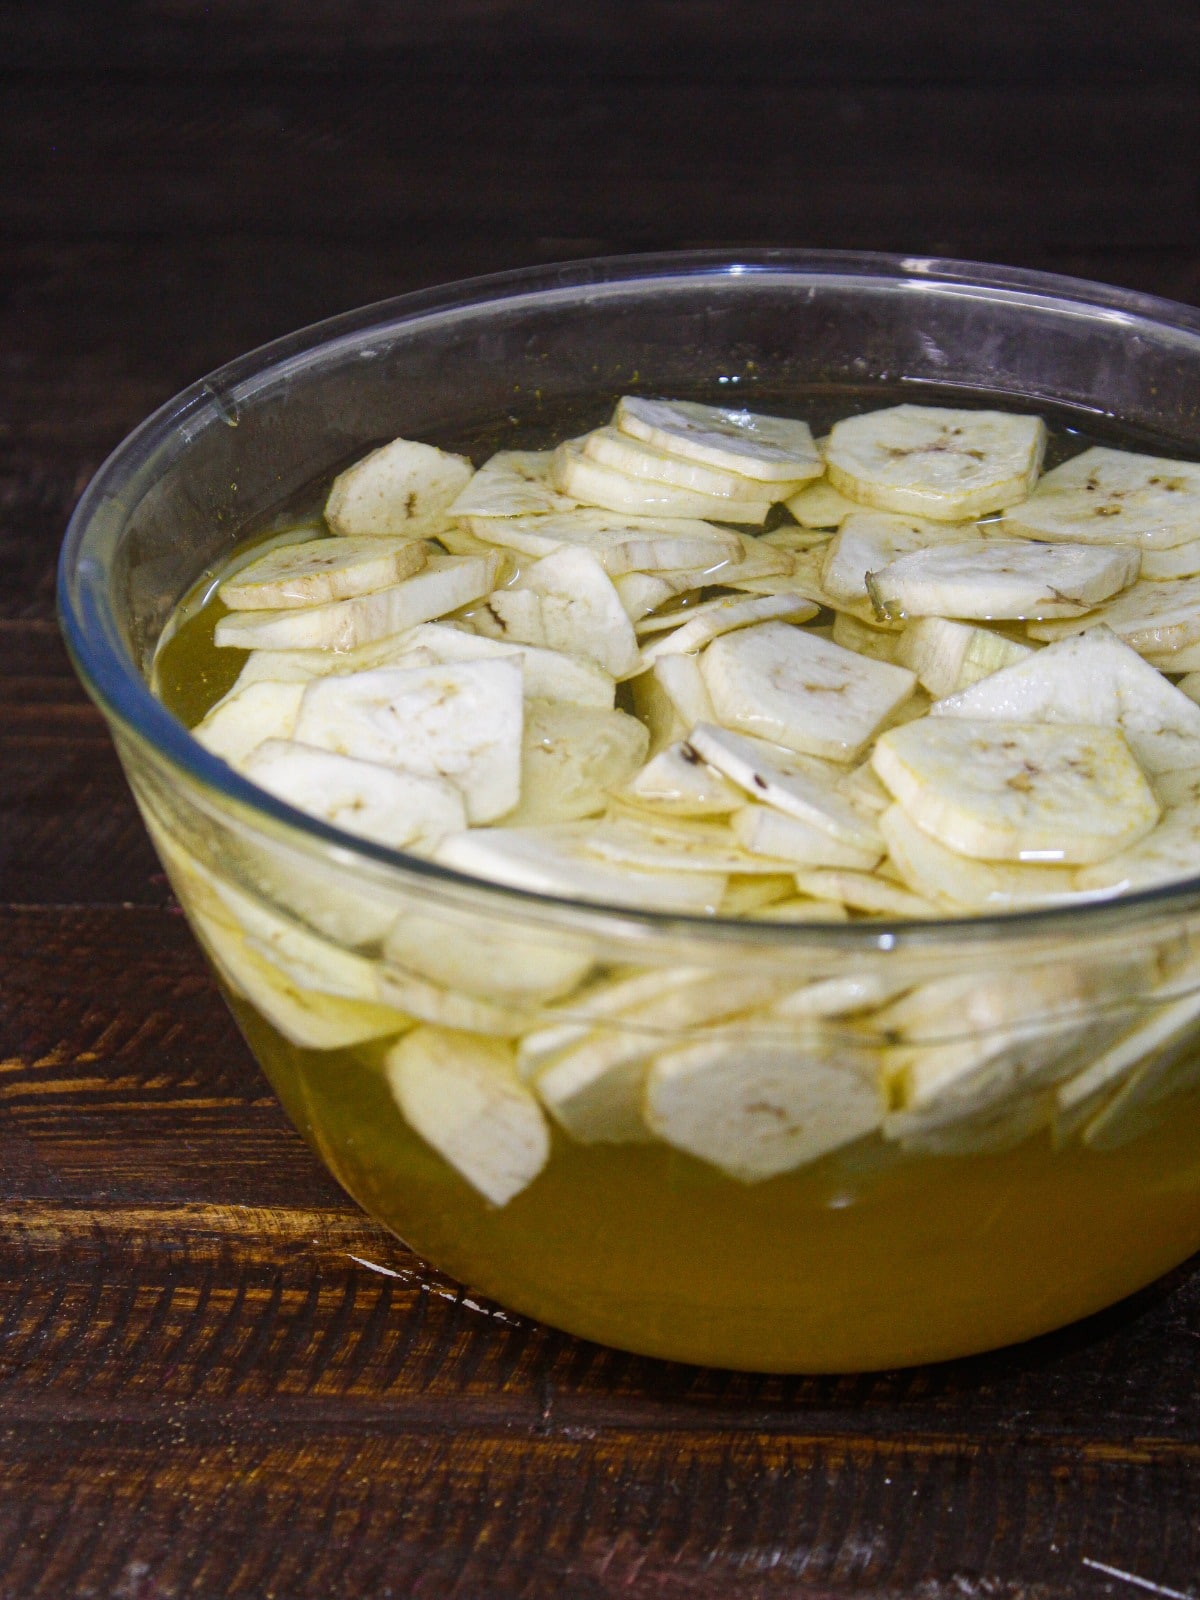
(696, 662)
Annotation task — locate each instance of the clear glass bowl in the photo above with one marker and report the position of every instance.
(1019, 1096)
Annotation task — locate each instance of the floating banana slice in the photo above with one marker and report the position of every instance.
(319, 571)
(1169, 853)
(402, 489)
(1094, 679)
(1018, 791)
(1111, 497)
(1152, 618)
(948, 656)
(774, 450)
(957, 884)
(512, 483)
(870, 540)
(247, 715)
(457, 722)
(784, 838)
(463, 1096)
(936, 461)
(1180, 561)
(676, 845)
(566, 601)
(594, 484)
(679, 783)
(621, 544)
(820, 506)
(432, 1002)
(863, 891)
(757, 1107)
(557, 860)
(443, 585)
(571, 757)
(397, 809)
(1001, 578)
(724, 617)
(613, 448)
(783, 684)
(643, 592)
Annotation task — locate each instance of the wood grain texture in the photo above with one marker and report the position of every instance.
(217, 1377)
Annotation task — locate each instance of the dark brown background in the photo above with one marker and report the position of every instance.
(202, 1393)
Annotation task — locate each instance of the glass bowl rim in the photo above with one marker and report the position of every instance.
(114, 682)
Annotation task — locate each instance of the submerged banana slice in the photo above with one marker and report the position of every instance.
(949, 656)
(1001, 578)
(402, 489)
(792, 839)
(1018, 791)
(1114, 497)
(756, 1107)
(463, 1096)
(960, 886)
(458, 722)
(595, 484)
(571, 757)
(788, 686)
(936, 461)
(774, 450)
(247, 715)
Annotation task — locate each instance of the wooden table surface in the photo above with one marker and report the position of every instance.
(217, 1378)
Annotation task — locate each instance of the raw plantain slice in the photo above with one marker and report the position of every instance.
(1180, 561)
(463, 1096)
(1018, 791)
(756, 1107)
(675, 844)
(460, 722)
(444, 584)
(566, 601)
(428, 1001)
(661, 621)
(802, 786)
(1171, 852)
(571, 756)
(820, 506)
(936, 461)
(643, 592)
(319, 571)
(398, 809)
(791, 839)
(1167, 1021)
(485, 961)
(613, 448)
(948, 656)
(783, 684)
(870, 540)
(803, 908)
(724, 617)
(247, 715)
(864, 891)
(881, 644)
(1152, 618)
(1001, 578)
(597, 485)
(959, 885)
(557, 860)
(745, 897)
(775, 450)
(1110, 497)
(679, 783)
(621, 544)
(1094, 679)
(512, 483)
(403, 488)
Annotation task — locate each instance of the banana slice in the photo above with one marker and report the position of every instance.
(1112, 497)
(1148, 1039)
(1170, 853)
(936, 461)
(433, 1002)
(571, 757)
(745, 897)
(948, 656)
(319, 571)
(756, 1107)
(881, 644)
(759, 562)
(725, 617)
(820, 505)
(1153, 618)
(621, 544)
(1018, 791)
(558, 860)
(597, 485)
(683, 681)
(801, 786)
(247, 715)
(444, 584)
(626, 453)
(863, 891)
(402, 489)
(795, 539)
(314, 964)
(783, 838)
(512, 483)
(785, 685)
(1001, 578)
(463, 1096)
(870, 540)
(679, 783)
(459, 722)
(957, 884)
(1093, 679)
(398, 809)
(546, 674)
(663, 621)
(643, 592)
(774, 450)
(511, 968)
(566, 601)
(804, 909)
(1180, 561)
(651, 844)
